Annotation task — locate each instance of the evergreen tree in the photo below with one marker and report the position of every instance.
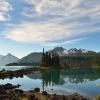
(50, 59)
(43, 58)
(47, 59)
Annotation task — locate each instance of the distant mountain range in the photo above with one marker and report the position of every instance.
(73, 51)
(33, 58)
(9, 58)
(36, 57)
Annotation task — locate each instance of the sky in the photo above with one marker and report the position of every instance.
(29, 25)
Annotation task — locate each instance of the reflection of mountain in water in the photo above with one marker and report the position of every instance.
(35, 75)
(61, 77)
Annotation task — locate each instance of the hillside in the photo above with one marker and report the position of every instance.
(9, 58)
(31, 59)
(68, 57)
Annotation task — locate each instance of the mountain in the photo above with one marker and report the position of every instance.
(60, 50)
(9, 58)
(72, 51)
(31, 58)
(77, 51)
(36, 57)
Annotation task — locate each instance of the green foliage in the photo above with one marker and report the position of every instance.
(50, 60)
(87, 60)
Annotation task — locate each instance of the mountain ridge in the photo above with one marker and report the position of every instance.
(36, 57)
(9, 58)
(72, 51)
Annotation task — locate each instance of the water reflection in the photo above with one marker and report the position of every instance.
(81, 76)
(50, 78)
(81, 81)
(62, 82)
(57, 77)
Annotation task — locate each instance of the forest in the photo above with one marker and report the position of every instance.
(87, 60)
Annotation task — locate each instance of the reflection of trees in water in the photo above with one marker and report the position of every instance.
(73, 76)
(81, 76)
(50, 77)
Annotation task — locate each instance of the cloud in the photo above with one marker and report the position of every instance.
(65, 10)
(68, 8)
(44, 33)
(65, 42)
(67, 21)
(5, 7)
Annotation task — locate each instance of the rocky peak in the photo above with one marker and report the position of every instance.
(58, 49)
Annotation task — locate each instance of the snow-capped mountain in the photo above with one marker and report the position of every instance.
(77, 51)
(9, 58)
(63, 52)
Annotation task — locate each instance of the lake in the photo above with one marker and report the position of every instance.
(85, 82)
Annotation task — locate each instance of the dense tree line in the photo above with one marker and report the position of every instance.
(81, 61)
(23, 64)
(50, 59)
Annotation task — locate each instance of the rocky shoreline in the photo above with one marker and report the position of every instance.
(11, 92)
(17, 73)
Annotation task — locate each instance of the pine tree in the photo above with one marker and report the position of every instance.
(50, 59)
(43, 58)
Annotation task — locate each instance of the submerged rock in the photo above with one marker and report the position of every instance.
(37, 89)
(44, 93)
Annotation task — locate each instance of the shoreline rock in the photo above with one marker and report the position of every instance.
(17, 73)
(9, 92)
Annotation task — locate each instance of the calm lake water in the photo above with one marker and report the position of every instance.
(85, 82)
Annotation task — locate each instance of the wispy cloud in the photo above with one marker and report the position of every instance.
(72, 9)
(43, 33)
(5, 7)
(68, 21)
(49, 44)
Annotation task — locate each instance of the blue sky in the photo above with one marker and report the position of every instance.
(29, 25)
